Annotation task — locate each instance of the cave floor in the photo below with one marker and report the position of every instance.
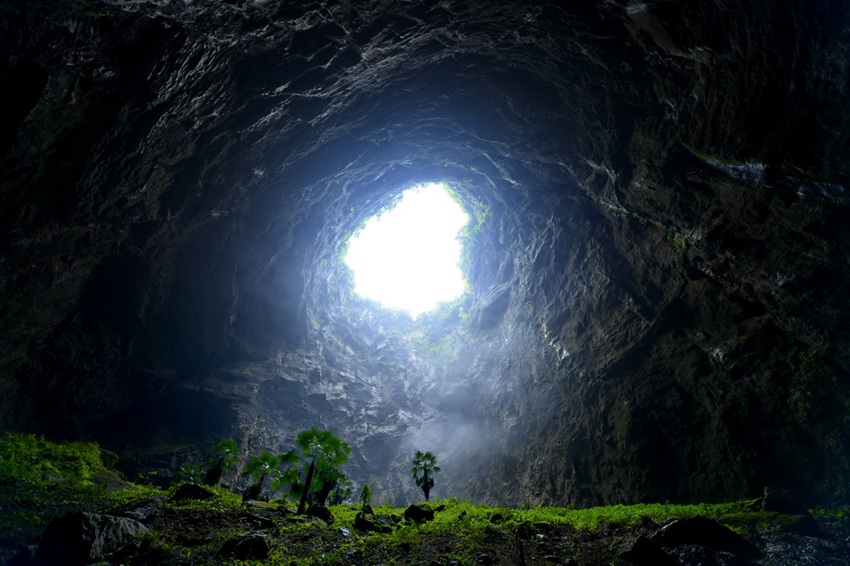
(459, 535)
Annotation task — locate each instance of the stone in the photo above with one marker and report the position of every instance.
(704, 532)
(781, 501)
(189, 491)
(644, 552)
(418, 514)
(142, 510)
(83, 538)
(321, 512)
(363, 524)
(250, 546)
(257, 522)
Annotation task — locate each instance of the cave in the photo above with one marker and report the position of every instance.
(657, 257)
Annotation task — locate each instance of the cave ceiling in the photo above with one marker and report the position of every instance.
(657, 305)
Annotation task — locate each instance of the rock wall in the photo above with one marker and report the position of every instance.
(657, 307)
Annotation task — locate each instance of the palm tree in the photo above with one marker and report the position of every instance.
(323, 453)
(260, 467)
(426, 463)
(221, 458)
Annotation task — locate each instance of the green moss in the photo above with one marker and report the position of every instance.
(42, 480)
(30, 458)
(679, 241)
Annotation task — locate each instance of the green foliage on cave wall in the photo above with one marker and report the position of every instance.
(41, 480)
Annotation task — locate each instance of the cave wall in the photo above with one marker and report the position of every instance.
(657, 307)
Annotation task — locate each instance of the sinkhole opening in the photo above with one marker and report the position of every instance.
(407, 257)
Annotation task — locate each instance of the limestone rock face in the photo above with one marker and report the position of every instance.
(657, 306)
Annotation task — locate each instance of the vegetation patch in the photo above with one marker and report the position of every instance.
(41, 481)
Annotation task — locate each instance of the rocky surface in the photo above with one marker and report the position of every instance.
(271, 535)
(86, 538)
(657, 308)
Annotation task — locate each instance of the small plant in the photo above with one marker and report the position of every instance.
(222, 457)
(188, 474)
(365, 500)
(679, 241)
(426, 463)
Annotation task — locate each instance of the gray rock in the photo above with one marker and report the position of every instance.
(83, 538)
(142, 510)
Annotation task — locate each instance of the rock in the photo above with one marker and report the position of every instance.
(695, 555)
(189, 491)
(806, 525)
(780, 501)
(143, 510)
(704, 532)
(361, 523)
(321, 512)
(418, 514)
(257, 522)
(83, 538)
(251, 546)
(266, 506)
(644, 552)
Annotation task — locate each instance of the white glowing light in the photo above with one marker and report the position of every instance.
(409, 257)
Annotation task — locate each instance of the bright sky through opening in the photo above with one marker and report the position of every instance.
(408, 257)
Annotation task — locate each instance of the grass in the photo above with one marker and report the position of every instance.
(41, 481)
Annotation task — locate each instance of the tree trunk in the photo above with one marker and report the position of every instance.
(253, 492)
(426, 489)
(302, 504)
(214, 474)
(325, 491)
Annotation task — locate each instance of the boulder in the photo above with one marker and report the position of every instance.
(418, 514)
(644, 552)
(83, 538)
(781, 501)
(704, 532)
(251, 546)
(361, 523)
(321, 512)
(142, 510)
(191, 491)
(257, 522)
